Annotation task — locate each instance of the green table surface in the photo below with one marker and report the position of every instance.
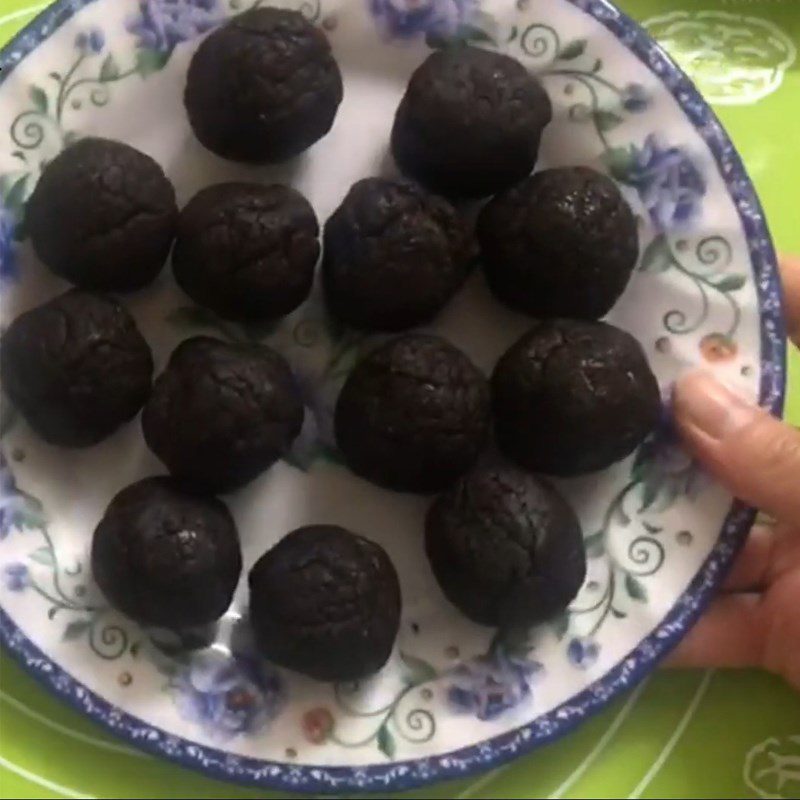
(697, 734)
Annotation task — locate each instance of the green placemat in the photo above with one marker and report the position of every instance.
(699, 734)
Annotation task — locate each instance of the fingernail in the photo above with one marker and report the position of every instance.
(711, 407)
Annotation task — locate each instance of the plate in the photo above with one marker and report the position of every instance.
(454, 699)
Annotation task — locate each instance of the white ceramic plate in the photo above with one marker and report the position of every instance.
(452, 700)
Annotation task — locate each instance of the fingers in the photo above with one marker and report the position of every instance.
(790, 274)
(729, 635)
(755, 455)
(769, 554)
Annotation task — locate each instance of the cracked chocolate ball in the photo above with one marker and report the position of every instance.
(76, 368)
(103, 216)
(572, 397)
(413, 415)
(247, 251)
(470, 122)
(165, 556)
(505, 547)
(562, 243)
(263, 87)
(222, 413)
(325, 602)
(394, 255)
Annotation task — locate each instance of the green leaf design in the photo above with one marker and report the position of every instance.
(572, 50)
(607, 120)
(615, 612)
(470, 33)
(386, 743)
(418, 671)
(70, 137)
(560, 625)
(109, 71)
(731, 283)
(654, 529)
(635, 589)
(150, 61)
(76, 629)
(598, 65)
(192, 317)
(44, 555)
(595, 544)
(56, 76)
(14, 198)
(619, 161)
(650, 490)
(39, 98)
(657, 256)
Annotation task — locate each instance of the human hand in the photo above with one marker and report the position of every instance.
(756, 621)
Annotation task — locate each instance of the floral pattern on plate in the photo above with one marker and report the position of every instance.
(446, 704)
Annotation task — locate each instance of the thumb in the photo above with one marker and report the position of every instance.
(755, 455)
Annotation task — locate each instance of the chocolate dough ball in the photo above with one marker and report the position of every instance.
(222, 413)
(263, 87)
(394, 255)
(470, 122)
(572, 397)
(505, 547)
(165, 556)
(76, 368)
(413, 415)
(562, 243)
(103, 216)
(325, 602)
(247, 251)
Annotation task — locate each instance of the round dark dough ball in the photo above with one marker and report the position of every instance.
(562, 243)
(76, 368)
(394, 255)
(325, 602)
(413, 415)
(572, 397)
(247, 251)
(470, 122)
(263, 87)
(165, 556)
(222, 413)
(103, 216)
(505, 547)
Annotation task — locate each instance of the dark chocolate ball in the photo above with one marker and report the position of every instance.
(470, 122)
(165, 556)
(76, 368)
(413, 415)
(394, 255)
(222, 413)
(572, 397)
(103, 216)
(325, 602)
(562, 243)
(505, 547)
(263, 87)
(247, 251)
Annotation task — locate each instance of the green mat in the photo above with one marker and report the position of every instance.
(699, 734)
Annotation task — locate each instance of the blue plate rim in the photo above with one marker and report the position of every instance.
(472, 760)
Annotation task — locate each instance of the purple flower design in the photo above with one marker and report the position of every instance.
(8, 261)
(583, 652)
(228, 695)
(163, 24)
(635, 98)
(405, 19)
(668, 182)
(489, 685)
(92, 41)
(16, 577)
